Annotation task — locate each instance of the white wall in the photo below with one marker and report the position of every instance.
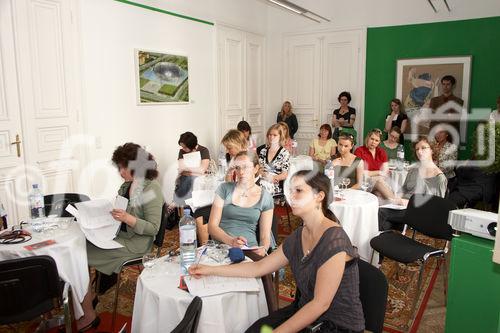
(110, 32)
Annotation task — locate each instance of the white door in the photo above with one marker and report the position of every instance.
(302, 82)
(318, 67)
(42, 92)
(12, 180)
(240, 62)
(341, 54)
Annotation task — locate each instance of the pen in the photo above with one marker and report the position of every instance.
(201, 255)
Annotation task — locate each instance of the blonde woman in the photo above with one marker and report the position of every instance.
(286, 133)
(274, 159)
(286, 115)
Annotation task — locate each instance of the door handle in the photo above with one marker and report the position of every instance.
(18, 145)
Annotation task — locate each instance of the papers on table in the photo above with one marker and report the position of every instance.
(245, 247)
(192, 160)
(96, 222)
(394, 206)
(214, 285)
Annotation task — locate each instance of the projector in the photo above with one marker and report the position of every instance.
(475, 222)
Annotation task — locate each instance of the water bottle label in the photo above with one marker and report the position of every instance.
(401, 155)
(187, 236)
(330, 173)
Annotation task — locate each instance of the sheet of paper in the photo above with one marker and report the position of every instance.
(215, 285)
(120, 202)
(393, 206)
(101, 238)
(73, 211)
(192, 160)
(96, 214)
(245, 247)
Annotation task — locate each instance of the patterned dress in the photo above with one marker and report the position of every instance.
(280, 163)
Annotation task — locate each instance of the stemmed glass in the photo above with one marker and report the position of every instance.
(345, 182)
(148, 260)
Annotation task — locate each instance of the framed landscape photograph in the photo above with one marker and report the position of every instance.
(419, 80)
(161, 78)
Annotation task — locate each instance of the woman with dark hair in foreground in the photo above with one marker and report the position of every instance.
(323, 262)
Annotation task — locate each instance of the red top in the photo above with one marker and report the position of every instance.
(372, 164)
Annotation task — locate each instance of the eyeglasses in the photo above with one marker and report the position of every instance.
(242, 167)
(422, 148)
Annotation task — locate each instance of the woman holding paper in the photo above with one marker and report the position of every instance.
(140, 222)
(322, 260)
(241, 207)
(423, 178)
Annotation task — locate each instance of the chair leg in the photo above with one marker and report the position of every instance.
(115, 303)
(419, 283)
(445, 282)
(371, 258)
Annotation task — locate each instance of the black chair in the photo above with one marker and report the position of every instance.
(29, 288)
(55, 204)
(189, 323)
(268, 284)
(158, 242)
(373, 289)
(428, 215)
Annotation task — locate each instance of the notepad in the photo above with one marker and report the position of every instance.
(215, 285)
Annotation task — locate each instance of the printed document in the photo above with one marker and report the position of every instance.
(214, 285)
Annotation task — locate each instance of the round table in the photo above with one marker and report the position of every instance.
(159, 305)
(69, 252)
(358, 215)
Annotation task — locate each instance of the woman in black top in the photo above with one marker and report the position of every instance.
(344, 116)
(322, 259)
(286, 115)
(397, 118)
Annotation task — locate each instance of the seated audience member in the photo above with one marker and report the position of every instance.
(323, 262)
(391, 144)
(184, 183)
(139, 223)
(375, 163)
(239, 207)
(234, 142)
(287, 116)
(324, 147)
(344, 117)
(286, 134)
(446, 153)
(274, 160)
(472, 186)
(348, 165)
(495, 114)
(244, 127)
(397, 118)
(424, 177)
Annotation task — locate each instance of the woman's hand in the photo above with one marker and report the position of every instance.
(123, 216)
(238, 241)
(260, 251)
(197, 271)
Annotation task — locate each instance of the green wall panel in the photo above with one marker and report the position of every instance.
(479, 38)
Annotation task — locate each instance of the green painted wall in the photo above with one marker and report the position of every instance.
(479, 38)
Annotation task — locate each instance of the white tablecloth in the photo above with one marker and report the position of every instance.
(69, 253)
(358, 215)
(397, 179)
(159, 305)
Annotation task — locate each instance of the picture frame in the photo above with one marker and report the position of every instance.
(161, 78)
(418, 80)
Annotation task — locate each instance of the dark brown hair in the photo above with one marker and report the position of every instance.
(328, 128)
(133, 152)
(398, 102)
(450, 78)
(430, 143)
(319, 183)
(189, 140)
(347, 95)
(395, 129)
(244, 126)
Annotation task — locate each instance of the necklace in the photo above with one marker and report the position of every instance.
(244, 193)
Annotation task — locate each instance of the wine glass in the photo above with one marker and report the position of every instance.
(346, 182)
(148, 260)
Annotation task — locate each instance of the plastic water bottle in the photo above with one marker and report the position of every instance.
(330, 173)
(222, 163)
(187, 240)
(36, 208)
(400, 157)
(295, 144)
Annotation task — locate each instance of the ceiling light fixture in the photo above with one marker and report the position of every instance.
(298, 10)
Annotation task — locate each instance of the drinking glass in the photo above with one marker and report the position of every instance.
(148, 260)
(346, 182)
